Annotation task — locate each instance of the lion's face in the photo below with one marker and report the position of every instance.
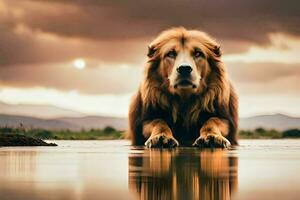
(183, 55)
(183, 64)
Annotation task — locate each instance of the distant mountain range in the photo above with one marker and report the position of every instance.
(277, 121)
(71, 123)
(51, 117)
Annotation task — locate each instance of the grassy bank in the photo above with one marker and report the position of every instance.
(261, 133)
(107, 133)
(110, 133)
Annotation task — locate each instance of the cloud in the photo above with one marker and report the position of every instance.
(282, 49)
(21, 45)
(261, 72)
(55, 30)
(238, 20)
(96, 78)
(287, 86)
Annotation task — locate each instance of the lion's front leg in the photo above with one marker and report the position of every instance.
(213, 134)
(159, 134)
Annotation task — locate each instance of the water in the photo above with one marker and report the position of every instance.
(257, 169)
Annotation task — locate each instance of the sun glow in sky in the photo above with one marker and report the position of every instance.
(79, 63)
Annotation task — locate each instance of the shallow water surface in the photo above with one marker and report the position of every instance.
(257, 169)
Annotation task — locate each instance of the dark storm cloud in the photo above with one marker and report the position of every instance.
(95, 80)
(265, 78)
(236, 24)
(261, 73)
(249, 20)
(21, 45)
(37, 48)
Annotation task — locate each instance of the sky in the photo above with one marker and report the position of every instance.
(88, 55)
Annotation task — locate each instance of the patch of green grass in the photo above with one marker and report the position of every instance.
(292, 133)
(108, 133)
(261, 133)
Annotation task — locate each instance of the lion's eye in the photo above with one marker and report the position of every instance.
(172, 54)
(198, 54)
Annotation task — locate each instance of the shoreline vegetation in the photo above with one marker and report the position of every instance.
(109, 133)
(261, 133)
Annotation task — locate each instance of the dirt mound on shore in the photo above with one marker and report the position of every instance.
(22, 140)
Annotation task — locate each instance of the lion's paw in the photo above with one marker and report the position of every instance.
(212, 141)
(161, 140)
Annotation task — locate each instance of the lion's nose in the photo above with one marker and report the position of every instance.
(184, 70)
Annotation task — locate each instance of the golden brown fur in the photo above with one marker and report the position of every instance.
(202, 113)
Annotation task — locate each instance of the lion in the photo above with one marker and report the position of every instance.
(186, 97)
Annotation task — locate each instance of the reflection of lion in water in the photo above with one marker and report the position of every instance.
(185, 97)
(183, 174)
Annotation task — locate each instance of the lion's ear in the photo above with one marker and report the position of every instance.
(151, 51)
(217, 50)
